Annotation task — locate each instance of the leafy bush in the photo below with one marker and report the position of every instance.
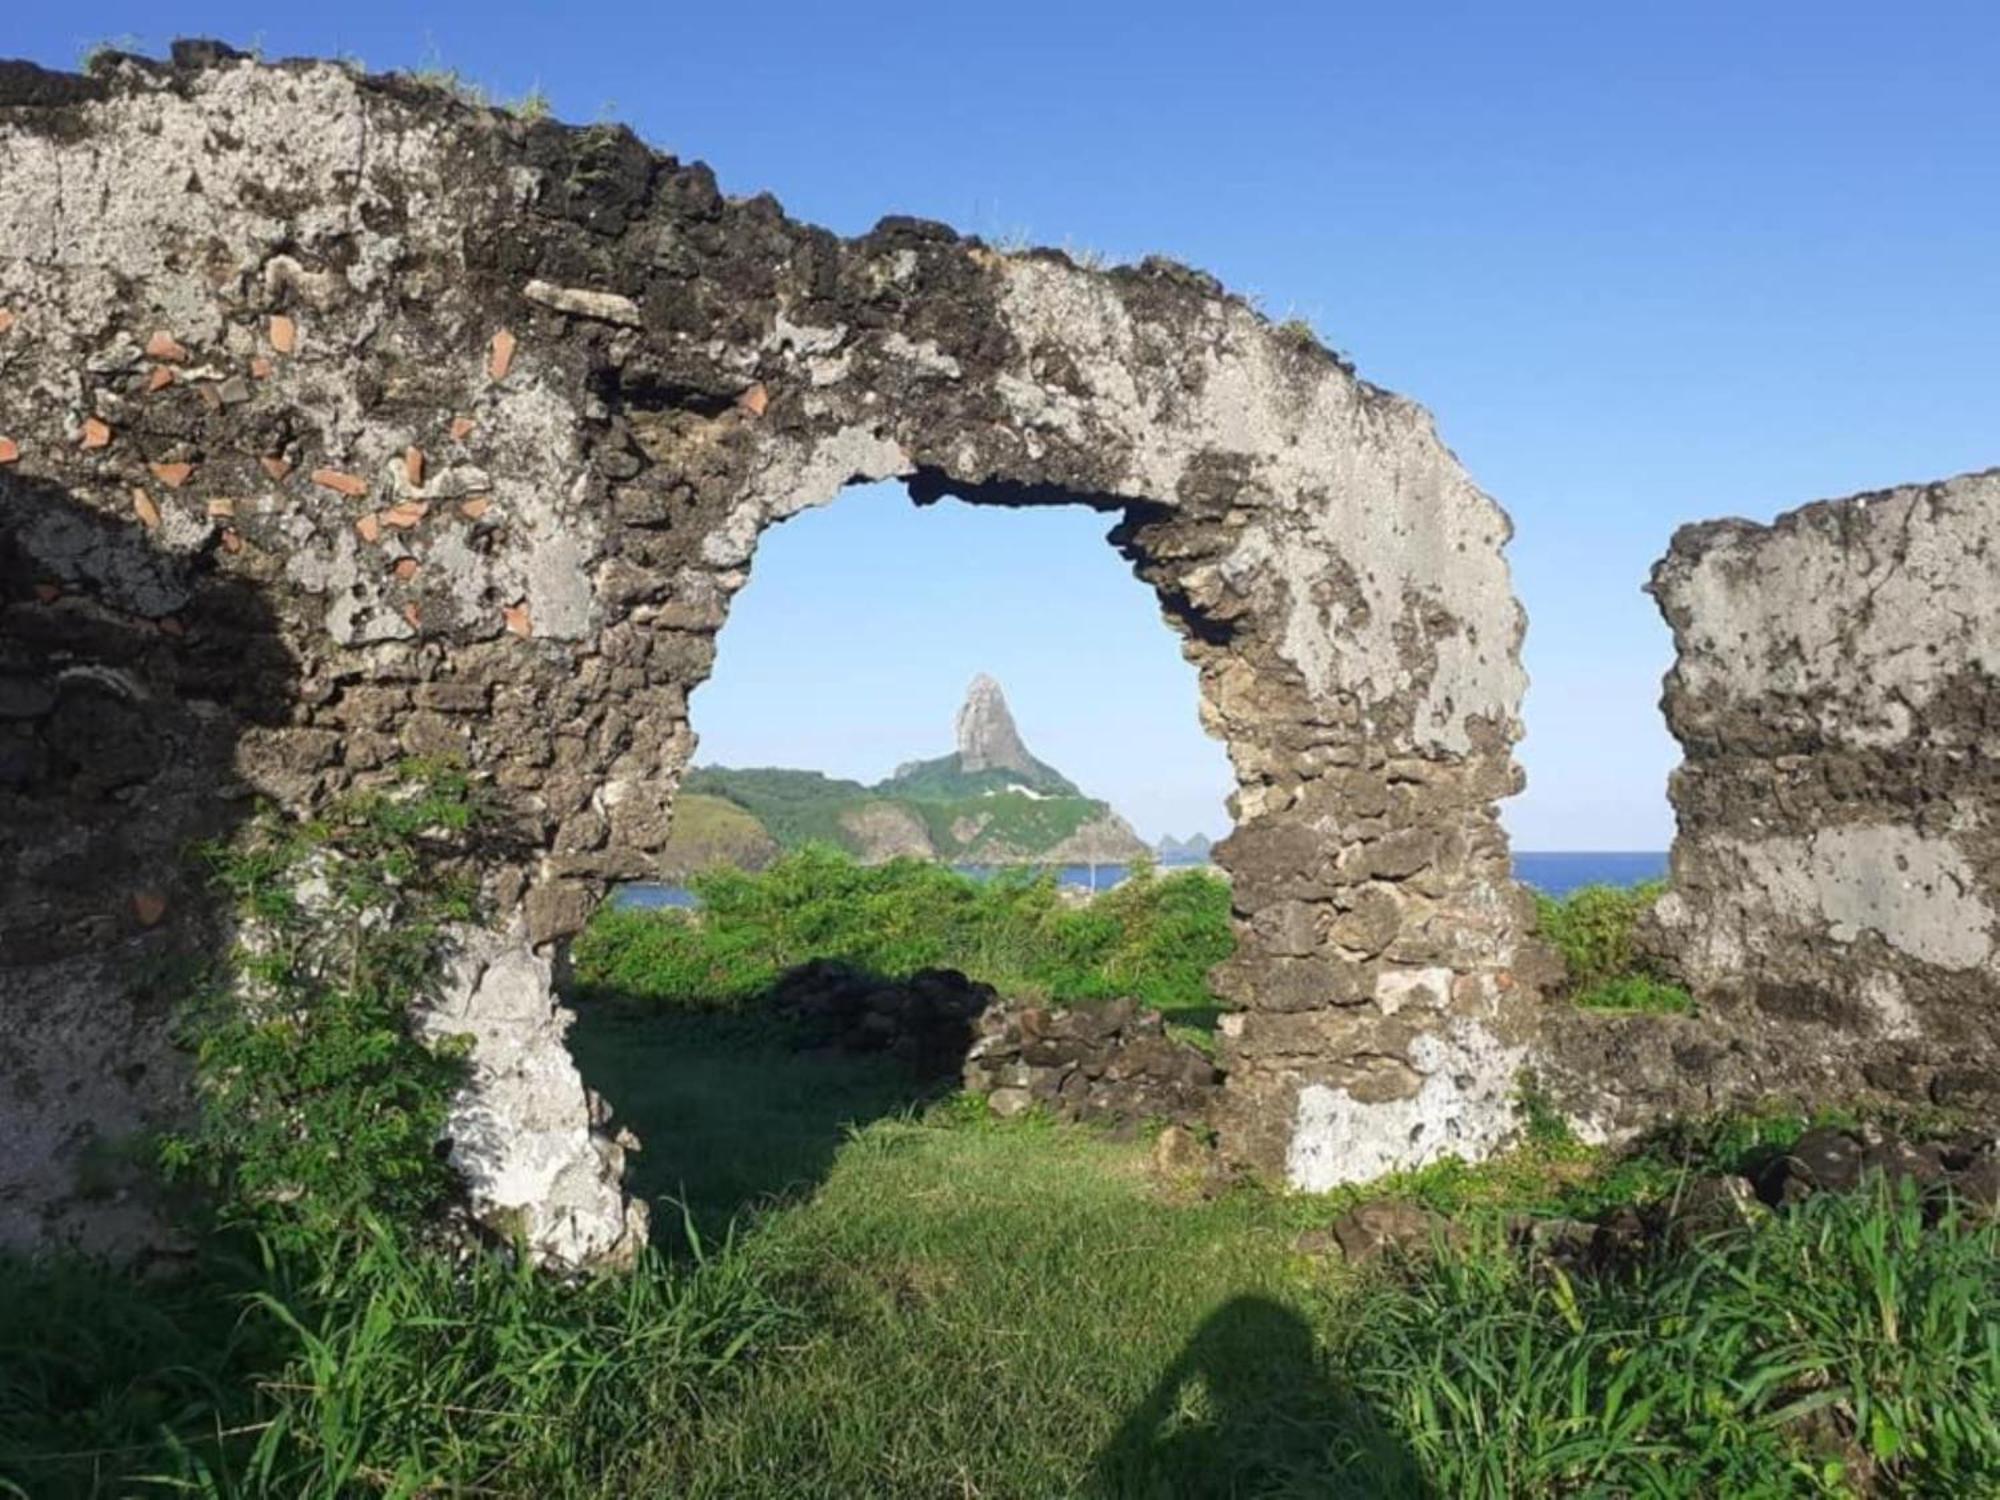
(1154, 937)
(318, 1104)
(1594, 929)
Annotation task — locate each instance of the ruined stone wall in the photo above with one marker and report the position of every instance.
(1836, 877)
(343, 422)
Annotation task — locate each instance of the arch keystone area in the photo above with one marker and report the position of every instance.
(485, 418)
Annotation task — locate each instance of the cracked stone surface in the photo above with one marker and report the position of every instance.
(351, 423)
(1835, 899)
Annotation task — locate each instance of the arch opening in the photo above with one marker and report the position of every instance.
(829, 721)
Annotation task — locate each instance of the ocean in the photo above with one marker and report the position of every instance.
(1554, 872)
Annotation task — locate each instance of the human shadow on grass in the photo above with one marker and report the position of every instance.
(1248, 1408)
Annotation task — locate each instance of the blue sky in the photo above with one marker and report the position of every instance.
(1647, 264)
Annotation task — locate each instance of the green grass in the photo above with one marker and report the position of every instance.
(1155, 937)
(917, 1300)
(733, 1116)
(1020, 1309)
(933, 1303)
(370, 1364)
(1595, 929)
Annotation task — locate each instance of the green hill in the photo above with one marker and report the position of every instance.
(709, 831)
(991, 802)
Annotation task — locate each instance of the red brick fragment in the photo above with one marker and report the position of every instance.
(144, 508)
(500, 356)
(160, 379)
(10, 451)
(405, 514)
(173, 476)
(340, 482)
(260, 367)
(163, 345)
(413, 467)
(414, 615)
(755, 400)
(406, 568)
(284, 334)
(95, 433)
(149, 907)
(277, 467)
(369, 527)
(232, 539)
(461, 429)
(474, 508)
(516, 617)
(6, 320)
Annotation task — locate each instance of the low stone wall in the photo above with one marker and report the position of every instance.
(925, 1022)
(1836, 877)
(1113, 1063)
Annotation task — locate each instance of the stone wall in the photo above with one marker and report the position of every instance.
(1111, 1063)
(1835, 899)
(343, 422)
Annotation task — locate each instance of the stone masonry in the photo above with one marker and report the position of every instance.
(341, 422)
(1835, 900)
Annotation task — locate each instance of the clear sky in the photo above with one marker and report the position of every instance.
(1647, 264)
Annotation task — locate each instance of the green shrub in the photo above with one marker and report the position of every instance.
(1594, 929)
(1154, 937)
(318, 1104)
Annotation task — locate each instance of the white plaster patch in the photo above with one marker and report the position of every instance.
(800, 478)
(1427, 989)
(1868, 625)
(1915, 892)
(1463, 1108)
(520, 1128)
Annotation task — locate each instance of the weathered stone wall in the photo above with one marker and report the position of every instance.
(1835, 898)
(360, 424)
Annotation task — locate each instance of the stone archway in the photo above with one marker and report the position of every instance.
(493, 413)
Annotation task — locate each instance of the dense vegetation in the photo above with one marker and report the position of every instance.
(1595, 929)
(965, 815)
(925, 1303)
(945, 779)
(324, 1340)
(1155, 937)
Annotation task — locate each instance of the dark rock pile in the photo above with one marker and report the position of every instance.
(1112, 1062)
(925, 1021)
(1964, 1170)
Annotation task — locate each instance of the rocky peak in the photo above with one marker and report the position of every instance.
(987, 738)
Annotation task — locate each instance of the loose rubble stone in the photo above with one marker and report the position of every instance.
(1388, 1227)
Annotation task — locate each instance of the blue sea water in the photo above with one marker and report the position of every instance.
(1553, 872)
(1557, 872)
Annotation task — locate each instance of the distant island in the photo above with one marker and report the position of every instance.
(1197, 849)
(990, 802)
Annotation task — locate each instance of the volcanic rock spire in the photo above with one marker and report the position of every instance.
(987, 738)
